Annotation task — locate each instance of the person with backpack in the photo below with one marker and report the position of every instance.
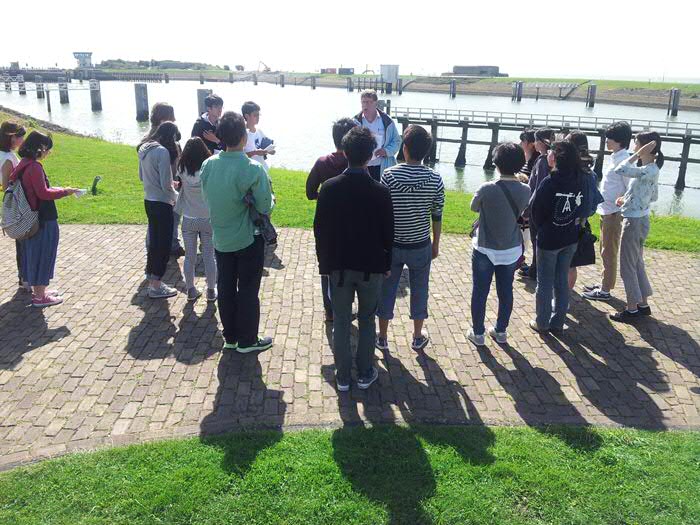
(11, 138)
(499, 242)
(40, 250)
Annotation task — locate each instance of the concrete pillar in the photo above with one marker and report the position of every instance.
(453, 88)
(281, 80)
(461, 159)
(63, 91)
(141, 92)
(537, 96)
(39, 83)
(95, 95)
(21, 86)
(388, 88)
(230, 77)
(201, 95)
(313, 82)
(519, 94)
(349, 84)
(201, 78)
(400, 86)
(48, 101)
(600, 157)
(680, 182)
(166, 78)
(255, 79)
(433, 147)
(495, 127)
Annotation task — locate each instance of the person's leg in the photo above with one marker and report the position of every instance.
(160, 223)
(189, 236)
(207, 238)
(546, 265)
(250, 270)
(504, 289)
(368, 292)
(325, 291)
(418, 262)
(644, 284)
(561, 286)
(482, 274)
(532, 271)
(387, 301)
(610, 232)
(630, 253)
(18, 259)
(227, 264)
(572, 277)
(175, 241)
(342, 296)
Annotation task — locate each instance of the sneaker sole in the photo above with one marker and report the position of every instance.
(365, 386)
(35, 305)
(162, 296)
(251, 349)
(596, 298)
(342, 388)
(420, 347)
(495, 338)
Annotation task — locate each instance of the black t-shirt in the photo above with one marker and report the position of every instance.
(556, 210)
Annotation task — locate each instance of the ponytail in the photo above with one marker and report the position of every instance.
(660, 159)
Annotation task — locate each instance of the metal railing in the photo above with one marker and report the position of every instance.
(590, 123)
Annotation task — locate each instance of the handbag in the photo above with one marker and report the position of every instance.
(19, 221)
(585, 250)
(261, 221)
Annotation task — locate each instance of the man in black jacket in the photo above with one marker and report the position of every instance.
(354, 229)
(205, 126)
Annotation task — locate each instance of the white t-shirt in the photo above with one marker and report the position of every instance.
(254, 141)
(377, 129)
(8, 155)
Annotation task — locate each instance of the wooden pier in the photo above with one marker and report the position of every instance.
(683, 133)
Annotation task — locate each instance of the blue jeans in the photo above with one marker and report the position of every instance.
(418, 261)
(344, 286)
(553, 274)
(482, 273)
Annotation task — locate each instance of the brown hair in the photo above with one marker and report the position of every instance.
(8, 130)
(161, 112)
(369, 93)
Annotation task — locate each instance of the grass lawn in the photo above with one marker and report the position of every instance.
(395, 475)
(604, 85)
(76, 161)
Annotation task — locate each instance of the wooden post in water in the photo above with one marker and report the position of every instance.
(461, 160)
(674, 102)
(166, 78)
(513, 91)
(141, 92)
(281, 80)
(38, 82)
(453, 88)
(600, 156)
(63, 91)
(201, 78)
(433, 147)
(388, 88)
(495, 127)
(560, 89)
(21, 86)
(680, 182)
(348, 83)
(95, 95)
(313, 82)
(201, 95)
(48, 101)
(400, 86)
(255, 79)
(230, 77)
(537, 96)
(590, 96)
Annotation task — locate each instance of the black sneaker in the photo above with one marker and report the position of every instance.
(524, 269)
(591, 287)
(263, 343)
(625, 316)
(363, 383)
(644, 310)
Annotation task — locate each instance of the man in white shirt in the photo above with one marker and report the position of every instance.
(612, 187)
(384, 131)
(258, 145)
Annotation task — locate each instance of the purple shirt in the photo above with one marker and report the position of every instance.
(325, 168)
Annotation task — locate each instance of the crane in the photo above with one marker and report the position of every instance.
(265, 66)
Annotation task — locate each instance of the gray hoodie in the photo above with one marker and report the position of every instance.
(155, 173)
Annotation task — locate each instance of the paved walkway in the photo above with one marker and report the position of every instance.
(110, 366)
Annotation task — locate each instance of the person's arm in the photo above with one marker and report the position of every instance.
(541, 205)
(476, 199)
(313, 181)
(165, 174)
(6, 172)
(387, 228)
(34, 176)
(261, 191)
(393, 141)
(633, 172)
(436, 217)
(197, 129)
(322, 231)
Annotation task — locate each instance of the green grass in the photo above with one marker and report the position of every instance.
(604, 85)
(76, 161)
(441, 475)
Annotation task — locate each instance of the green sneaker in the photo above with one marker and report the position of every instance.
(230, 346)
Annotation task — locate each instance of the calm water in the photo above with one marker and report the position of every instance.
(299, 120)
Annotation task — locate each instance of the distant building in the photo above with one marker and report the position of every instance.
(478, 71)
(346, 71)
(390, 73)
(14, 66)
(329, 71)
(84, 58)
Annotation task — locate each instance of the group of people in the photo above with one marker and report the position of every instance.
(373, 218)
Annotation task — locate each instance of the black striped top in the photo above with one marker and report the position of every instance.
(417, 195)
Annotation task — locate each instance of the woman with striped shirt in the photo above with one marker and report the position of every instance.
(418, 196)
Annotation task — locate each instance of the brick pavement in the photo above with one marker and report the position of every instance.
(110, 366)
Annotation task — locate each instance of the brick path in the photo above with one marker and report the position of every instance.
(110, 366)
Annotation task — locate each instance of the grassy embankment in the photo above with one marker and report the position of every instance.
(398, 475)
(76, 161)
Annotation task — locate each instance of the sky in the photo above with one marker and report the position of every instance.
(648, 40)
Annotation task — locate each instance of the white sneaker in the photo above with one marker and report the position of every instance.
(500, 337)
(163, 292)
(478, 340)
